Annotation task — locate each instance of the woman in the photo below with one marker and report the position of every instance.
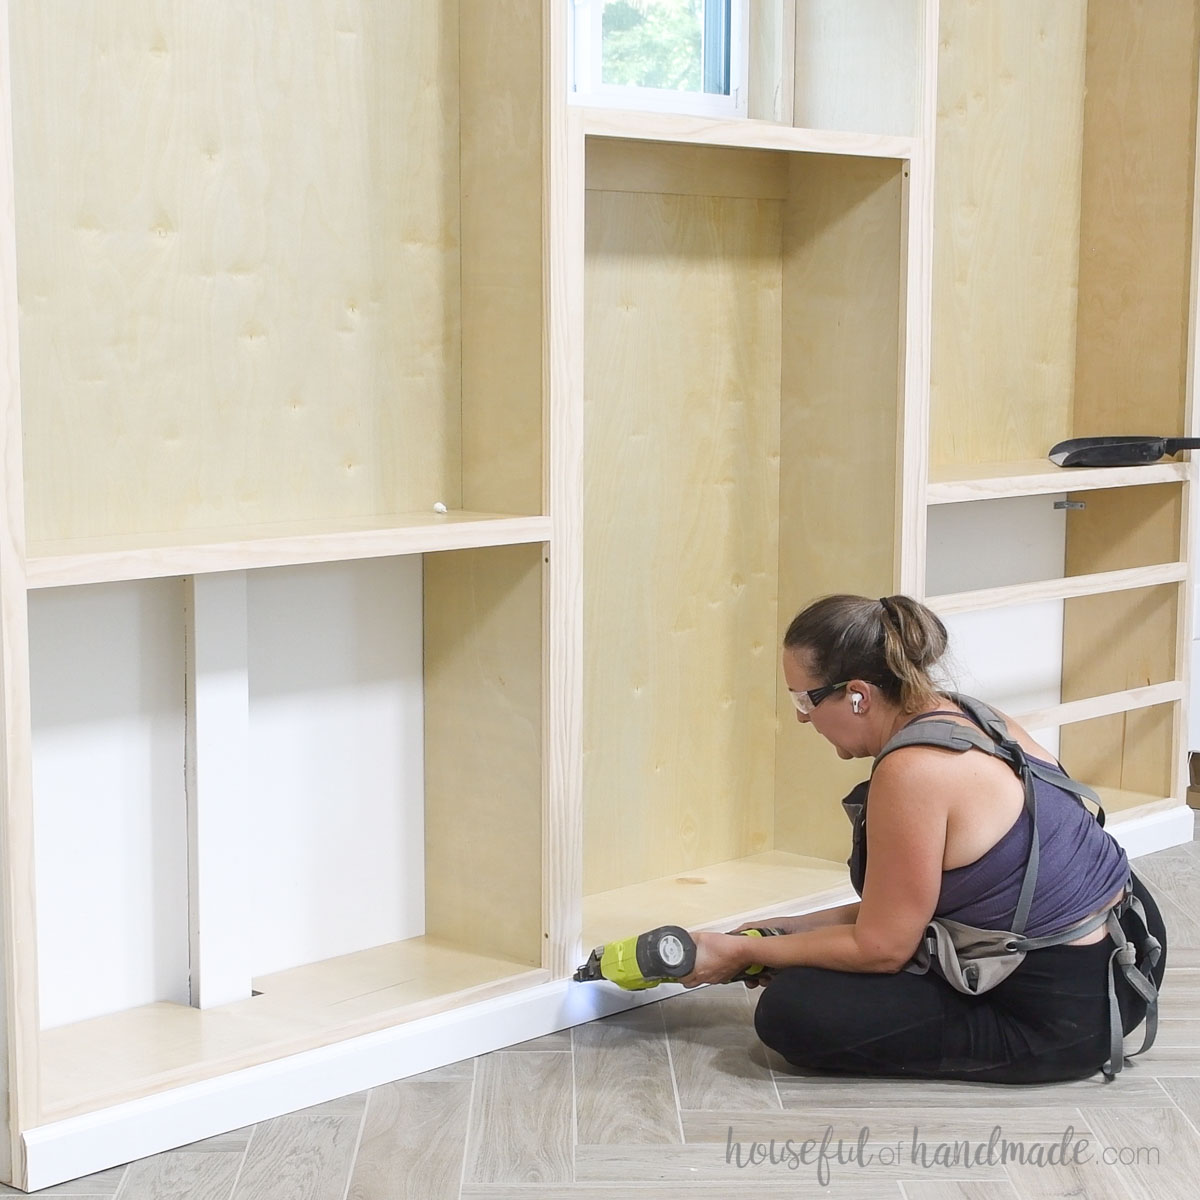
(948, 835)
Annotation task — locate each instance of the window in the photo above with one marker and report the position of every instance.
(686, 56)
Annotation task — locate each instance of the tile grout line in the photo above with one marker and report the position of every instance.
(671, 1067)
(362, 1124)
(574, 1111)
(462, 1174)
(237, 1179)
(121, 1186)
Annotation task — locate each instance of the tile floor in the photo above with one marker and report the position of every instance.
(678, 1101)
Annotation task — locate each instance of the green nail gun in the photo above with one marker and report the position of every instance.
(662, 955)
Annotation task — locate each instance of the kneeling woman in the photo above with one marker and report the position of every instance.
(948, 834)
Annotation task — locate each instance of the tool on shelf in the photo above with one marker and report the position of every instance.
(662, 955)
(1124, 450)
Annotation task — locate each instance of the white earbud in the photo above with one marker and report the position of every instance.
(856, 702)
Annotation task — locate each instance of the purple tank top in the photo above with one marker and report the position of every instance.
(1080, 868)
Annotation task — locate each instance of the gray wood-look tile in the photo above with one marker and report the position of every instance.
(959, 1190)
(413, 1139)
(560, 1040)
(1156, 1151)
(624, 1088)
(1185, 1093)
(459, 1072)
(103, 1183)
(835, 1164)
(862, 1189)
(919, 1130)
(522, 1119)
(306, 1155)
(714, 1051)
(236, 1140)
(182, 1175)
(1137, 1088)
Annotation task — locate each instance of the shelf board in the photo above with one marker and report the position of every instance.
(109, 1060)
(723, 895)
(1102, 706)
(740, 133)
(1072, 587)
(194, 552)
(1039, 477)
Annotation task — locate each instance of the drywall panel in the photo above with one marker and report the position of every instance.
(238, 265)
(1009, 657)
(110, 817)
(335, 819)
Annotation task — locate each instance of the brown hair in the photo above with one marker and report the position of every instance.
(893, 643)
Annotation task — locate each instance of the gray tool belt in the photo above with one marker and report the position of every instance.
(973, 960)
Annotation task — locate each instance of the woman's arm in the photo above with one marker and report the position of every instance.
(843, 914)
(906, 839)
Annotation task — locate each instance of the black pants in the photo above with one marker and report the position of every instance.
(1049, 1020)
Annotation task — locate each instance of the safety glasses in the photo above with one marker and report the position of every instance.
(805, 702)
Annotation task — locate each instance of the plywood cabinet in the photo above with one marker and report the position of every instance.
(409, 474)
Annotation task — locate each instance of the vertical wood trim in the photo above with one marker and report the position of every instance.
(19, 1106)
(217, 758)
(1190, 515)
(564, 323)
(917, 333)
(787, 66)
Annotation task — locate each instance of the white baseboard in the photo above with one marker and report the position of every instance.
(1144, 834)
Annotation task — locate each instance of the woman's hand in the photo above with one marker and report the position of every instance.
(719, 957)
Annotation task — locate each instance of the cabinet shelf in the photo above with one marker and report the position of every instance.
(722, 895)
(192, 552)
(740, 133)
(1098, 583)
(1039, 477)
(108, 1060)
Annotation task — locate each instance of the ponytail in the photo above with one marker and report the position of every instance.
(893, 642)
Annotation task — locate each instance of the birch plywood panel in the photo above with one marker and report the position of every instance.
(681, 497)
(844, 248)
(502, 195)
(483, 743)
(1006, 230)
(1138, 166)
(238, 261)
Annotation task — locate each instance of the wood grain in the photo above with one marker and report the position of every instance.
(858, 66)
(712, 1038)
(182, 1175)
(1139, 144)
(306, 1155)
(521, 1122)
(624, 1086)
(1006, 228)
(248, 221)
(1157, 1151)
(483, 789)
(954, 483)
(844, 252)
(681, 479)
(501, 50)
(413, 1139)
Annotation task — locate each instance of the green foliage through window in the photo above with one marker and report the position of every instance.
(654, 44)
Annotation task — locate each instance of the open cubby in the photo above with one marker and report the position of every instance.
(742, 306)
(1061, 260)
(374, 842)
(286, 268)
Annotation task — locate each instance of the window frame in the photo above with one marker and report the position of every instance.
(585, 31)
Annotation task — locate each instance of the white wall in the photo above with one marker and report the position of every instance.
(1008, 657)
(336, 820)
(110, 827)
